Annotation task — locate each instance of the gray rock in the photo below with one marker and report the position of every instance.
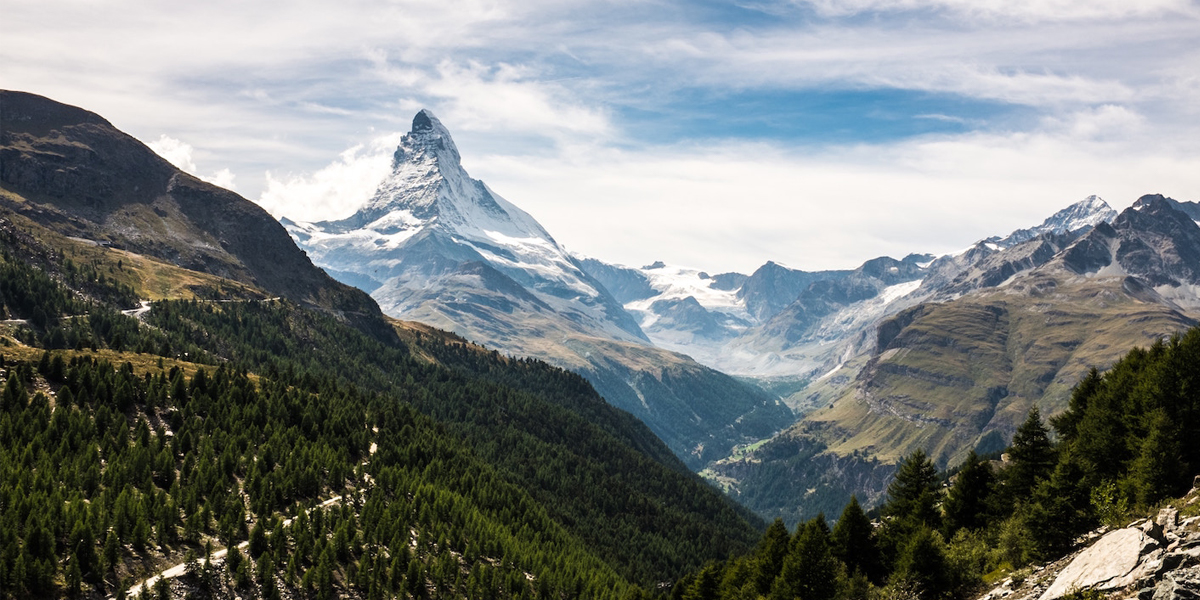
(1168, 518)
(1180, 585)
(1153, 529)
(1114, 556)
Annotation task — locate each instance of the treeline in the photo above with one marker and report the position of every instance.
(1120, 448)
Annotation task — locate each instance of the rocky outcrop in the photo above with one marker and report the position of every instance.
(1154, 559)
(1104, 564)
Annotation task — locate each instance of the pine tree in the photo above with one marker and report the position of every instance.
(707, 584)
(772, 550)
(912, 496)
(923, 562)
(258, 540)
(1158, 469)
(810, 570)
(1032, 457)
(967, 501)
(854, 544)
(1060, 509)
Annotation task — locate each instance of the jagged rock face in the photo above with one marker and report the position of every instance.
(1150, 240)
(1107, 561)
(773, 287)
(83, 177)
(1152, 560)
(1081, 216)
(625, 284)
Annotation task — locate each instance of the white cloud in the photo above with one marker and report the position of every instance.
(535, 93)
(334, 191)
(734, 207)
(179, 153)
(501, 97)
(1052, 10)
(511, 97)
(223, 178)
(175, 151)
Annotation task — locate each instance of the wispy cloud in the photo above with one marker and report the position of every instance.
(612, 114)
(1026, 10)
(180, 154)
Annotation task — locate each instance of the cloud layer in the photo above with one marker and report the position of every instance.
(813, 132)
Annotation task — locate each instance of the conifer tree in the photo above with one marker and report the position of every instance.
(1158, 468)
(854, 544)
(1032, 457)
(1060, 509)
(772, 550)
(912, 496)
(967, 501)
(923, 562)
(810, 570)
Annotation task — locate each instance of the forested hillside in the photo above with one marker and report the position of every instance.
(1124, 445)
(343, 463)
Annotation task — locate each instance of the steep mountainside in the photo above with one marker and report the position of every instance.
(73, 172)
(960, 374)
(438, 247)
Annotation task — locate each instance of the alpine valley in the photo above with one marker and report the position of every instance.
(431, 398)
(944, 353)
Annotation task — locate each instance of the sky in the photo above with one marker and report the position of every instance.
(717, 135)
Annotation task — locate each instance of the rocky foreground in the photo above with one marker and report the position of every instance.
(1152, 559)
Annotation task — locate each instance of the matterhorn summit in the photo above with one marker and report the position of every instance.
(428, 185)
(429, 220)
(435, 246)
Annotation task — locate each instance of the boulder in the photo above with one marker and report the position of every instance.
(1113, 556)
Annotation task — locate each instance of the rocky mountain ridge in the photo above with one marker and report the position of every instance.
(959, 370)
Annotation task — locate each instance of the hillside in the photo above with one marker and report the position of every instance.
(1100, 508)
(74, 173)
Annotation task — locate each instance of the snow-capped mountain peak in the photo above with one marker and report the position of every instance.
(429, 217)
(428, 184)
(1085, 214)
(1089, 212)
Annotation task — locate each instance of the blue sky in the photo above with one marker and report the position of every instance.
(817, 133)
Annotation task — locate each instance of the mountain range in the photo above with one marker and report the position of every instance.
(434, 245)
(945, 352)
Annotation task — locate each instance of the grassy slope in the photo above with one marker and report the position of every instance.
(978, 364)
